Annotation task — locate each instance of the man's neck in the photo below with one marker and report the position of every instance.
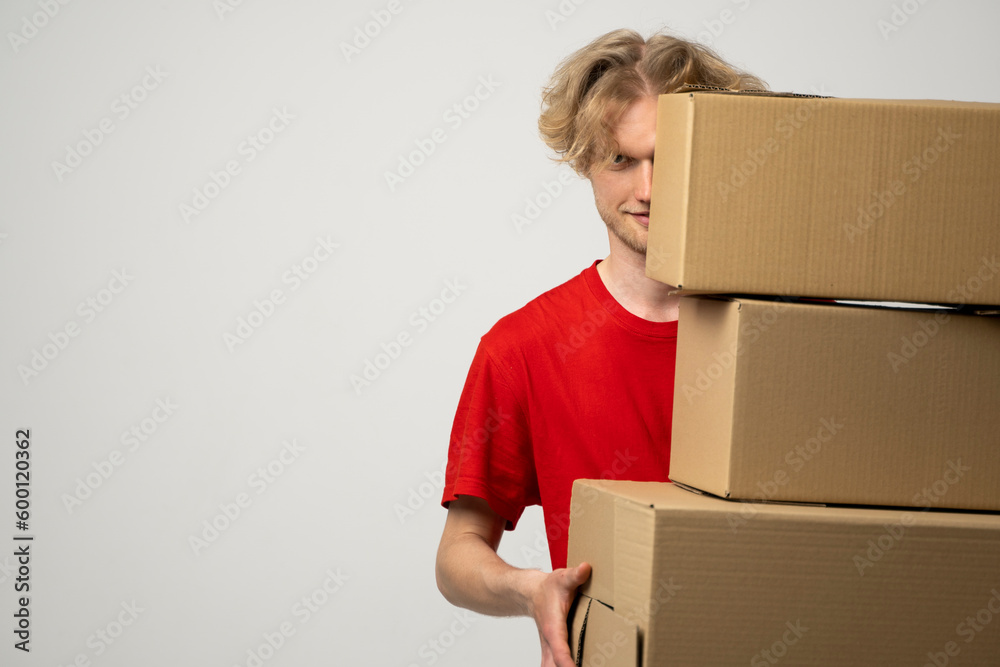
(624, 275)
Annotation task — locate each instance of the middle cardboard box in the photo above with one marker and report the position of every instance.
(829, 403)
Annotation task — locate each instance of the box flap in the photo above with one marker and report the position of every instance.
(598, 637)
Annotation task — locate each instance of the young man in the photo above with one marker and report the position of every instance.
(579, 382)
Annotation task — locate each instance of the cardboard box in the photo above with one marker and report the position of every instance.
(892, 200)
(716, 582)
(809, 402)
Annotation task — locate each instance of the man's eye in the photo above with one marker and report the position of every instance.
(619, 161)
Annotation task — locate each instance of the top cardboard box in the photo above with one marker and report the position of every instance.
(893, 200)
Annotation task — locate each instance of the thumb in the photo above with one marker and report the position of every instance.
(579, 574)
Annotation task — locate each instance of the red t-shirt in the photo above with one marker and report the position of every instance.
(570, 386)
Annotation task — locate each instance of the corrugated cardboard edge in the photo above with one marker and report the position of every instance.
(675, 120)
(701, 384)
(757, 92)
(598, 637)
(576, 623)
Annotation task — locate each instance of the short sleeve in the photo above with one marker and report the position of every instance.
(490, 455)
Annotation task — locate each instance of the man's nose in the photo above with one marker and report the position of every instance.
(644, 181)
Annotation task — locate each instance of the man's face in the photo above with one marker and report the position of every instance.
(622, 190)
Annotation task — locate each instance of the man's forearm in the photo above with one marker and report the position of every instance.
(470, 574)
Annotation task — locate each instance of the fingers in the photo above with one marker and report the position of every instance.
(557, 593)
(556, 654)
(547, 659)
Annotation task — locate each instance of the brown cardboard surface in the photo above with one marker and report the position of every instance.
(602, 551)
(837, 404)
(724, 583)
(600, 638)
(839, 198)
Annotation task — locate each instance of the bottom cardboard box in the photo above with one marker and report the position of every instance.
(707, 581)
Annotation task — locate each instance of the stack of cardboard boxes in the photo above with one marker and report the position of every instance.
(836, 465)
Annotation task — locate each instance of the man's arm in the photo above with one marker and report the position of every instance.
(470, 574)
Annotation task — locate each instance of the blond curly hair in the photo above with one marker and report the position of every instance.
(593, 87)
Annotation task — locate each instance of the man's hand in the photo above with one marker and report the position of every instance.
(550, 605)
(470, 574)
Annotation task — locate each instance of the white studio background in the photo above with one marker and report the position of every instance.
(199, 243)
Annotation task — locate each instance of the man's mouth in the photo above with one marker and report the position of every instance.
(641, 216)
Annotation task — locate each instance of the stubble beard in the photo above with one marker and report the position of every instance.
(619, 225)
